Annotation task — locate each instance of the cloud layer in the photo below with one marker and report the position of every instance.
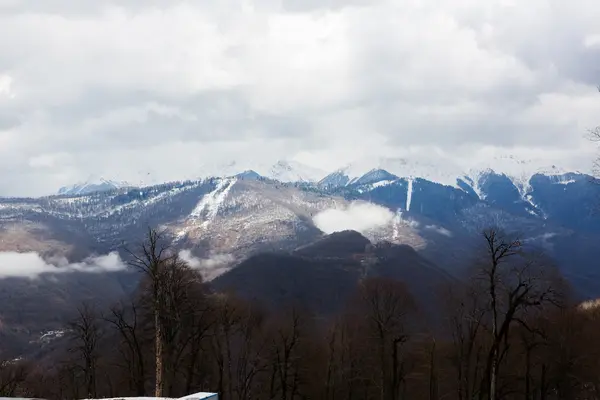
(32, 265)
(211, 267)
(191, 82)
(358, 216)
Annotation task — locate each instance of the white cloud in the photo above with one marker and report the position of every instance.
(214, 80)
(211, 267)
(32, 265)
(358, 216)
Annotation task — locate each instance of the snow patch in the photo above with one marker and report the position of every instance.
(399, 221)
(409, 194)
(292, 171)
(91, 185)
(439, 229)
(211, 202)
(381, 184)
(441, 170)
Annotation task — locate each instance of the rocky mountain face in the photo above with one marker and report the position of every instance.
(251, 224)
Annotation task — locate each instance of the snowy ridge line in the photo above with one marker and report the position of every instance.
(89, 206)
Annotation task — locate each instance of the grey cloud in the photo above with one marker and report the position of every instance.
(127, 80)
(70, 7)
(8, 121)
(312, 5)
(98, 121)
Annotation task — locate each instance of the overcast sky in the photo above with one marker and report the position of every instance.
(129, 87)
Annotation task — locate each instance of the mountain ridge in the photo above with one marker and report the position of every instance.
(441, 170)
(217, 224)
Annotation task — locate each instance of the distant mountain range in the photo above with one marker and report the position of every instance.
(249, 223)
(438, 169)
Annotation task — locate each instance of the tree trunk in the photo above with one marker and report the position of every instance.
(158, 345)
(493, 373)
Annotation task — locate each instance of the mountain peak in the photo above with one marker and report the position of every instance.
(94, 183)
(441, 171)
(294, 171)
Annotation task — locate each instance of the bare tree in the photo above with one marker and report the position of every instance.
(175, 295)
(344, 359)
(386, 305)
(288, 339)
(514, 283)
(183, 314)
(13, 375)
(127, 321)
(251, 358)
(465, 310)
(86, 332)
(151, 260)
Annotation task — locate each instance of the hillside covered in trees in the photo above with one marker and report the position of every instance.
(510, 330)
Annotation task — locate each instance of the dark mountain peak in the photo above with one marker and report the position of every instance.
(335, 179)
(338, 244)
(323, 278)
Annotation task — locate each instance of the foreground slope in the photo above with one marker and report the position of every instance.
(321, 276)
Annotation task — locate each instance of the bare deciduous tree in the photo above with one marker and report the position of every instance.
(386, 305)
(465, 310)
(515, 283)
(12, 376)
(151, 260)
(126, 320)
(86, 332)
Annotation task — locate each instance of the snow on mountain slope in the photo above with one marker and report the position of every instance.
(409, 194)
(292, 171)
(91, 185)
(518, 170)
(282, 170)
(441, 171)
(222, 215)
(210, 203)
(251, 214)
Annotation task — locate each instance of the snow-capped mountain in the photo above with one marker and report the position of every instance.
(519, 171)
(470, 176)
(292, 171)
(91, 185)
(218, 222)
(244, 210)
(443, 171)
(283, 171)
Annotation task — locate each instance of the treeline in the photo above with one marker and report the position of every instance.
(509, 331)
